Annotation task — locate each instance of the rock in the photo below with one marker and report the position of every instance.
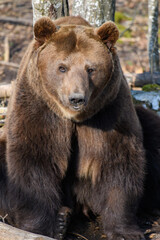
(147, 99)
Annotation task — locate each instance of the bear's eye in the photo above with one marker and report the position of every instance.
(62, 69)
(90, 70)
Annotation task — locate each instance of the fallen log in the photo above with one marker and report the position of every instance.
(8, 232)
(16, 21)
(141, 79)
(5, 2)
(5, 90)
(9, 64)
(146, 78)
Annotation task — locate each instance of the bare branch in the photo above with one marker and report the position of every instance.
(133, 20)
(9, 64)
(17, 21)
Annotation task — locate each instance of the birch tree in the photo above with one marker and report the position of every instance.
(153, 35)
(50, 8)
(96, 12)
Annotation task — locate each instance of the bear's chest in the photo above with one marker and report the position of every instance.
(92, 147)
(109, 150)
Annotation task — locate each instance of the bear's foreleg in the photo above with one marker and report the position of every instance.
(123, 176)
(38, 149)
(118, 216)
(35, 183)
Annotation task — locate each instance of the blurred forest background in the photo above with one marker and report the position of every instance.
(131, 18)
(132, 45)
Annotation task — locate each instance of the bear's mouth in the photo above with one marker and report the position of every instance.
(77, 108)
(77, 102)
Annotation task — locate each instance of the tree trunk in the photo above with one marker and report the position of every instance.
(153, 35)
(96, 12)
(50, 8)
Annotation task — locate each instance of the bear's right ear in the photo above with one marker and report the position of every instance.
(43, 29)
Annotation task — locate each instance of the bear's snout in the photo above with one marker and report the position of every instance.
(77, 101)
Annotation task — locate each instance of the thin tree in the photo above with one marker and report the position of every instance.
(51, 8)
(96, 12)
(153, 35)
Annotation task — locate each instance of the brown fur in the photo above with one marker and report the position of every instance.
(78, 20)
(109, 33)
(72, 130)
(44, 31)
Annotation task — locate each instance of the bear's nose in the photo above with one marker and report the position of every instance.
(77, 99)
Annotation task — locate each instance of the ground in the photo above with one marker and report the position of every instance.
(132, 49)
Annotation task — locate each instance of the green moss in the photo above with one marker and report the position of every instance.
(130, 63)
(127, 34)
(121, 27)
(120, 17)
(151, 87)
(120, 41)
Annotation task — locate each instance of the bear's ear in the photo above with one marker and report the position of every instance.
(43, 29)
(108, 33)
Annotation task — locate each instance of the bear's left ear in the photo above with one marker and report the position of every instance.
(108, 33)
(43, 29)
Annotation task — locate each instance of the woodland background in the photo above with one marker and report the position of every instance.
(132, 45)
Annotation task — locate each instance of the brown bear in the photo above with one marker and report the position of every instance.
(72, 130)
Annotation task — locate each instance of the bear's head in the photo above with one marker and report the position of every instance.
(75, 66)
